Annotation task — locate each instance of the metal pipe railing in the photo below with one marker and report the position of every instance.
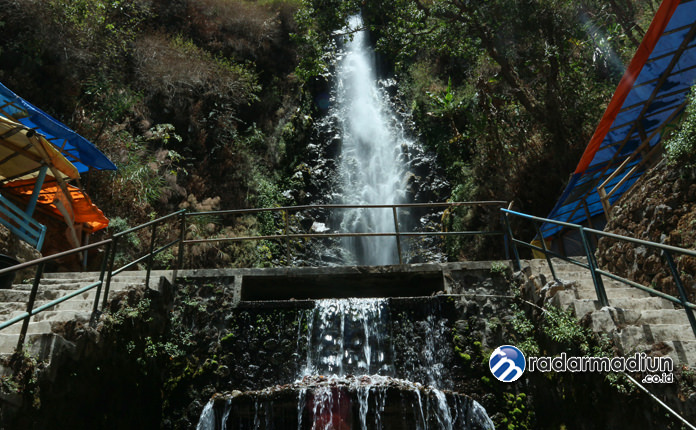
(596, 272)
(113, 245)
(286, 236)
(349, 206)
(107, 270)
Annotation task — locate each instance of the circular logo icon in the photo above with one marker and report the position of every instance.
(507, 363)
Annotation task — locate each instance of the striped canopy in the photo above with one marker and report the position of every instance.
(651, 95)
(82, 153)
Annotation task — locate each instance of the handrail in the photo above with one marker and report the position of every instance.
(111, 248)
(149, 223)
(52, 257)
(591, 265)
(351, 206)
(287, 236)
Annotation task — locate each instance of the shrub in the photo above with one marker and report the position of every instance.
(681, 145)
(178, 69)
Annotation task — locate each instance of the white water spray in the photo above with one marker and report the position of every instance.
(370, 170)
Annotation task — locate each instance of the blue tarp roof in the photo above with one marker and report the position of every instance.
(78, 150)
(650, 96)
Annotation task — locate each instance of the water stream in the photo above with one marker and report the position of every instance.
(348, 379)
(370, 164)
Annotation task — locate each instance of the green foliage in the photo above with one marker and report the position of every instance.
(499, 268)
(128, 313)
(103, 29)
(245, 84)
(562, 327)
(138, 176)
(518, 414)
(681, 145)
(317, 21)
(127, 243)
(525, 337)
(107, 101)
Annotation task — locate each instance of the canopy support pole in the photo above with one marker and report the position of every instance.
(37, 190)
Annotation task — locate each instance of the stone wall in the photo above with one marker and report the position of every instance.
(161, 361)
(661, 208)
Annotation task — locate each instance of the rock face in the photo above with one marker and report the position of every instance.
(662, 209)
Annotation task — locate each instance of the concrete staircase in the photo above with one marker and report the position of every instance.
(41, 340)
(636, 321)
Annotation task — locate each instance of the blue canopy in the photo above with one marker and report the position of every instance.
(651, 95)
(78, 150)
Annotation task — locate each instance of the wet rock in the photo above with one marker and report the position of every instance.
(223, 371)
(270, 344)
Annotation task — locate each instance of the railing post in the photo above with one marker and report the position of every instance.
(680, 287)
(112, 257)
(287, 237)
(596, 277)
(546, 254)
(398, 235)
(516, 261)
(506, 239)
(105, 260)
(153, 238)
(182, 238)
(30, 306)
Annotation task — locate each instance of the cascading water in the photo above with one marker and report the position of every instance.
(345, 337)
(349, 381)
(370, 167)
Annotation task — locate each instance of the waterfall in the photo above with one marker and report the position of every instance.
(370, 167)
(349, 381)
(347, 337)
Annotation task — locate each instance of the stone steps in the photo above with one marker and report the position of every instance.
(663, 316)
(17, 308)
(568, 300)
(639, 338)
(13, 302)
(612, 293)
(635, 320)
(54, 314)
(38, 345)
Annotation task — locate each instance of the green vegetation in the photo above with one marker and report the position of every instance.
(681, 145)
(212, 100)
(191, 100)
(499, 268)
(506, 93)
(518, 413)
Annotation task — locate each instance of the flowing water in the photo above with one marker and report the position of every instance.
(346, 337)
(348, 379)
(370, 161)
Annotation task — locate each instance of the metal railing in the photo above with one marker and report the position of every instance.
(110, 247)
(21, 224)
(287, 235)
(114, 244)
(585, 233)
